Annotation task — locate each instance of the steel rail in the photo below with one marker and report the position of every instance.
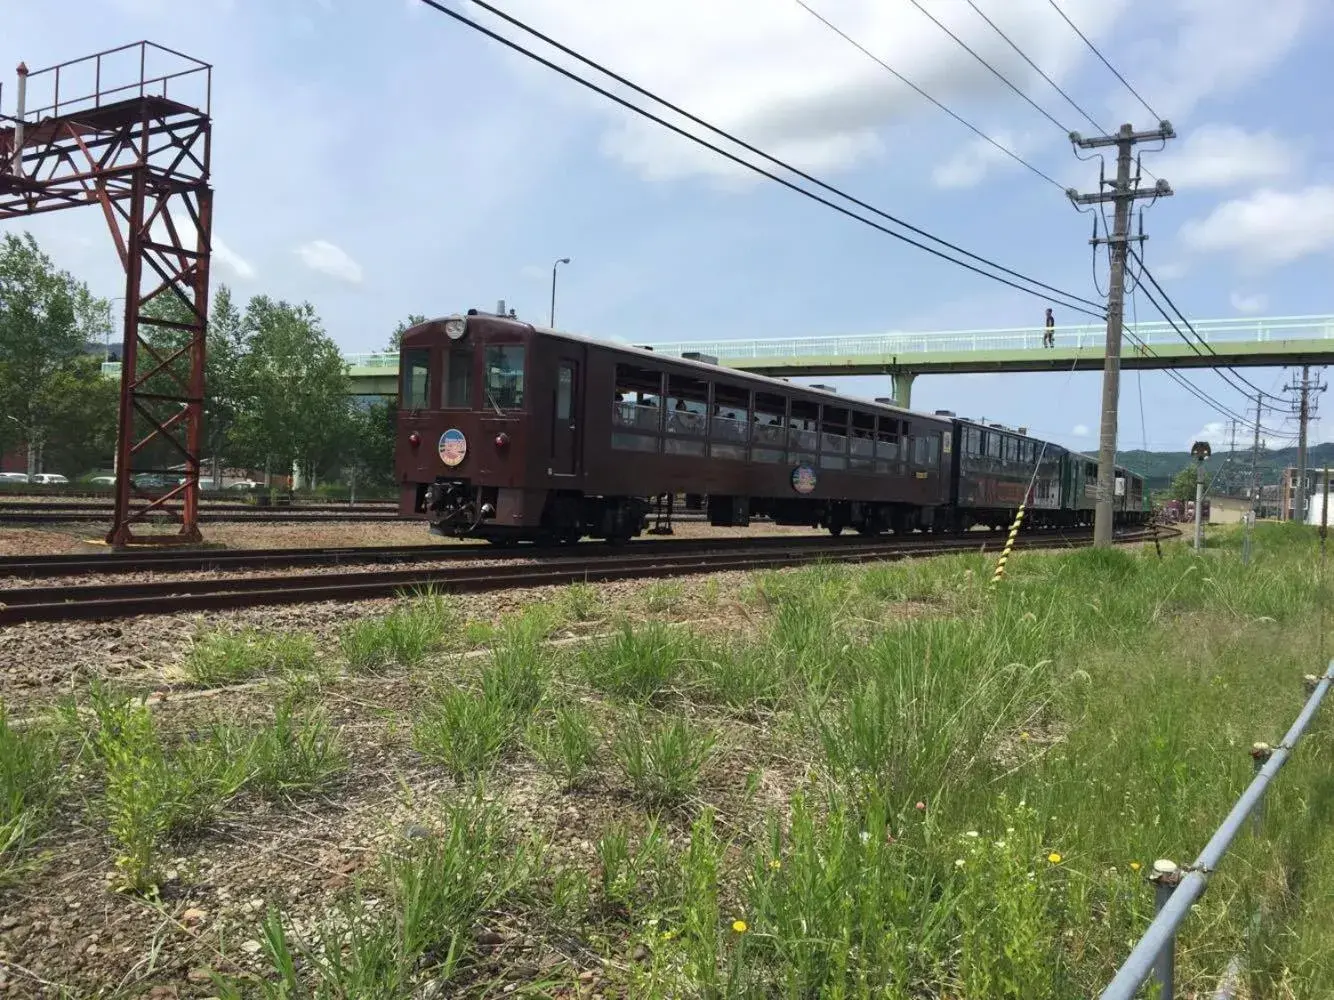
(1161, 932)
(196, 560)
(260, 515)
(102, 601)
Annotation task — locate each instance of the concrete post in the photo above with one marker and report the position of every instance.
(1199, 506)
(901, 388)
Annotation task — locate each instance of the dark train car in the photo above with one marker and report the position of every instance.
(1080, 492)
(508, 431)
(994, 474)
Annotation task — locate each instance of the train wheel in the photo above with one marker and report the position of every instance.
(869, 530)
(835, 529)
(505, 542)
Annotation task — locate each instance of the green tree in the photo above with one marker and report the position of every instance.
(396, 338)
(369, 458)
(294, 407)
(84, 408)
(40, 337)
(1183, 484)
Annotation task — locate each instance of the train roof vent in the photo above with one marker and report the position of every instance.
(886, 400)
(826, 388)
(707, 359)
(645, 347)
(1023, 430)
(997, 427)
(944, 413)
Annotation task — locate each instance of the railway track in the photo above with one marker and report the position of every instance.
(103, 601)
(259, 515)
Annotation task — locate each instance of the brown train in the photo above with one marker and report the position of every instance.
(512, 432)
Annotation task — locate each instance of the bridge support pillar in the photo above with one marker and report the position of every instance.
(901, 388)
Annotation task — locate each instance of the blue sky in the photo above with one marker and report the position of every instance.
(377, 159)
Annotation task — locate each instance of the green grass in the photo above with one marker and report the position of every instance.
(230, 657)
(566, 744)
(160, 789)
(405, 637)
(662, 760)
(908, 785)
(411, 923)
(29, 787)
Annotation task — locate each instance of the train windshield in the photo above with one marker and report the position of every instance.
(416, 388)
(503, 376)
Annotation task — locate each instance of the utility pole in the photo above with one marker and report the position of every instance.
(1305, 388)
(1122, 195)
(1255, 459)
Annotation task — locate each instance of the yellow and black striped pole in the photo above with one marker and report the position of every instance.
(1009, 545)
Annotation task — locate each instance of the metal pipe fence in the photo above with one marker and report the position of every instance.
(1177, 889)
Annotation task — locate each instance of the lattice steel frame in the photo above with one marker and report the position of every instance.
(144, 158)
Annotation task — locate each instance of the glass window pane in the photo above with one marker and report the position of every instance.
(503, 377)
(458, 387)
(564, 392)
(416, 388)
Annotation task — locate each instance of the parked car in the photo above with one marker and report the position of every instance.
(102, 481)
(243, 484)
(49, 479)
(13, 477)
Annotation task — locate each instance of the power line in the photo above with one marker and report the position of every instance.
(569, 74)
(995, 72)
(1038, 69)
(1057, 7)
(909, 83)
(1146, 273)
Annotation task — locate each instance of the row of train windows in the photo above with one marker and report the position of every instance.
(502, 378)
(1003, 447)
(737, 432)
(698, 407)
(919, 452)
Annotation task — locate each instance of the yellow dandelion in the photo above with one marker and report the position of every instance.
(1134, 866)
(1054, 858)
(1023, 737)
(668, 935)
(739, 926)
(775, 864)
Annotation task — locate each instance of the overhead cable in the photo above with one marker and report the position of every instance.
(1065, 17)
(909, 83)
(740, 161)
(995, 72)
(1038, 69)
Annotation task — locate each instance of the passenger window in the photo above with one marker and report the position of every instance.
(564, 391)
(503, 378)
(993, 444)
(416, 388)
(458, 378)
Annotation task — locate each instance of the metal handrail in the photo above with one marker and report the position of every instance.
(1160, 936)
(143, 84)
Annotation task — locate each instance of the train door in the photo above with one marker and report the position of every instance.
(566, 409)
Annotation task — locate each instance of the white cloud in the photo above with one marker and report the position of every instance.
(230, 261)
(1197, 49)
(1268, 228)
(326, 258)
(1173, 270)
(1080, 430)
(1215, 433)
(1248, 303)
(1215, 156)
(773, 75)
(969, 166)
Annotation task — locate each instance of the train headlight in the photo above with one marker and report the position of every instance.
(456, 327)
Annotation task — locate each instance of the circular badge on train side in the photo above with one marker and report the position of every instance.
(803, 479)
(453, 447)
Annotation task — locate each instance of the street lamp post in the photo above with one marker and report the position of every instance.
(558, 263)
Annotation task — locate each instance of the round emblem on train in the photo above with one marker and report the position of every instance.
(453, 447)
(803, 479)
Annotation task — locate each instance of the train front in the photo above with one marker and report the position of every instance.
(460, 442)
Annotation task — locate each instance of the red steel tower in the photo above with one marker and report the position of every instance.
(129, 129)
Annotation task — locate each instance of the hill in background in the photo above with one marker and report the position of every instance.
(1158, 467)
